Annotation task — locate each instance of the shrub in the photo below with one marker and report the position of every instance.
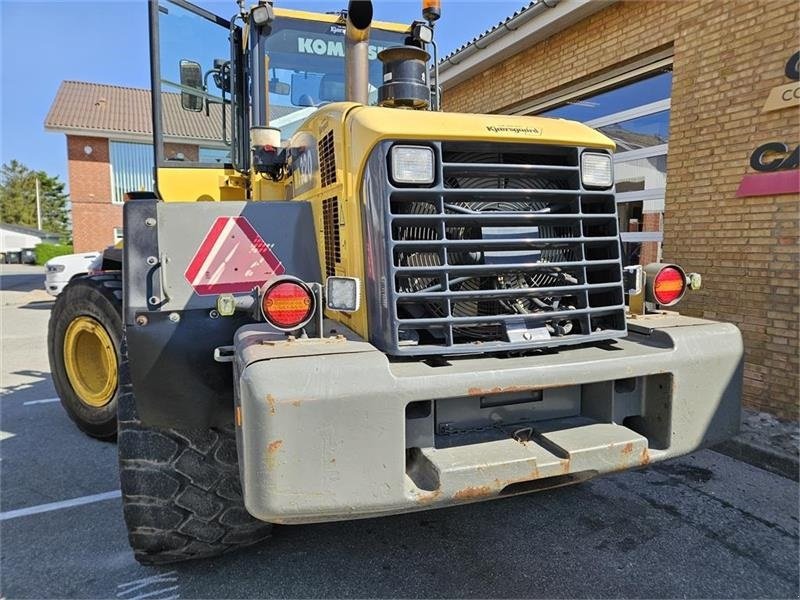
(45, 252)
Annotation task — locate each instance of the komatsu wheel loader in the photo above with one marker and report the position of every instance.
(341, 302)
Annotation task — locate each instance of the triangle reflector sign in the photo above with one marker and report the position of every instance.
(233, 258)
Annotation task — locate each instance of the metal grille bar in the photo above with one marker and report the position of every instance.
(506, 250)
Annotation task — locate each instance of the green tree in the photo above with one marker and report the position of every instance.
(18, 198)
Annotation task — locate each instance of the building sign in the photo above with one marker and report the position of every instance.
(777, 164)
(786, 96)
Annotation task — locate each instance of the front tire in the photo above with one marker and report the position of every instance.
(84, 341)
(181, 492)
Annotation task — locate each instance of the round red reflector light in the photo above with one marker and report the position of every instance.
(669, 285)
(288, 305)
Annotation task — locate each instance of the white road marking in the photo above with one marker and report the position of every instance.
(124, 589)
(51, 506)
(45, 401)
(4, 435)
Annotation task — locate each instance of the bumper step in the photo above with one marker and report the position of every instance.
(556, 448)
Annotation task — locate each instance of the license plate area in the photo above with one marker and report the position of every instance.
(496, 414)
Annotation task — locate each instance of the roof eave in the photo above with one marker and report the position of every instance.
(539, 22)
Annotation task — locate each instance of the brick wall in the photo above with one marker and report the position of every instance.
(728, 55)
(93, 215)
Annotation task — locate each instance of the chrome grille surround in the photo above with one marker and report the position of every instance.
(506, 251)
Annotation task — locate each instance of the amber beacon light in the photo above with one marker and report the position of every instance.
(431, 10)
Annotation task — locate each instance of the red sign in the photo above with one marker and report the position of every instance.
(232, 258)
(770, 184)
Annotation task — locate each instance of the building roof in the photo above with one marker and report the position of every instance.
(111, 109)
(483, 35)
(22, 229)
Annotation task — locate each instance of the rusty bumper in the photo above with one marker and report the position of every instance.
(331, 429)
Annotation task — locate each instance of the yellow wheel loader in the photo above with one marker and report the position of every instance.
(341, 302)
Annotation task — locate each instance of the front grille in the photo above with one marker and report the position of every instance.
(506, 251)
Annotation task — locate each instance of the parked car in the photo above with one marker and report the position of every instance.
(60, 270)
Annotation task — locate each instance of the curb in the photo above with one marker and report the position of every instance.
(762, 457)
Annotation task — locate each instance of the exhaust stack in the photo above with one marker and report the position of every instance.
(359, 19)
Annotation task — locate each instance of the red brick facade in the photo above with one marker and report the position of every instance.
(727, 58)
(94, 217)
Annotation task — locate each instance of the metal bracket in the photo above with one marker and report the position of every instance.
(633, 278)
(223, 354)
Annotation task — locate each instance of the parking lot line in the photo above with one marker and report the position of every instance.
(51, 506)
(45, 401)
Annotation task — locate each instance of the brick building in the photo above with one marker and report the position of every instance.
(702, 99)
(109, 135)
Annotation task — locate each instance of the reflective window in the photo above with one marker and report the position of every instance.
(214, 155)
(306, 68)
(131, 169)
(641, 174)
(593, 106)
(612, 112)
(641, 132)
(193, 51)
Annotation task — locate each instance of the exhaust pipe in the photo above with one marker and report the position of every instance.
(356, 55)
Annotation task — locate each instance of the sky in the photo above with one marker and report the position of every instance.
(43, 42)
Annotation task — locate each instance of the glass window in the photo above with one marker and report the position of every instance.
(131, 169)
(630, 95)
(638, 213)
(306, 68)
(118, 235)
(641, 132)
(641, 174)
(192, 49)
(214, 155)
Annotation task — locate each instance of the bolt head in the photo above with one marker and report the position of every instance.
(174, 317)
(141, 320)
(151, 260)
(150, 222)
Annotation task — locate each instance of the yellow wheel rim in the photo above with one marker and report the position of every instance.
(90, 361)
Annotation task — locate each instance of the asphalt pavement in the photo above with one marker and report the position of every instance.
(703, 526)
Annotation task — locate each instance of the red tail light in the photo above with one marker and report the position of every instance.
(288, 304)
(669, 285)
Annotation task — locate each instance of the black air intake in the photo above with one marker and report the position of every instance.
(405, 83)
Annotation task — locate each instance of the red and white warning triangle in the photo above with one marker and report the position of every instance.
(233, 258)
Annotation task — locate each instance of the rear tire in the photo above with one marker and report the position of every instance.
(84, 341)
(181, 492)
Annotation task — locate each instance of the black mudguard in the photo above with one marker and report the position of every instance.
(171, 330)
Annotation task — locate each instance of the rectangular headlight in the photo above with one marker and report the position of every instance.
(412, 164)
(342, 293)
(596, 170)
(55, 268)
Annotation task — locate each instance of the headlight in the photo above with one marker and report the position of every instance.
(55, 268)
(412, 164)
(596, 171)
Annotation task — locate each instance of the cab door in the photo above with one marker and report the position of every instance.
(198, 102)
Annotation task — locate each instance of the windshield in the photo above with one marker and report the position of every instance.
(306, 68)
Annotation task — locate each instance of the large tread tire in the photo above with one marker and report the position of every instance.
(99, 297)
(181, 492)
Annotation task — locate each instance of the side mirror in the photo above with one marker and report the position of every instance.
(281, 88)
(191, 77)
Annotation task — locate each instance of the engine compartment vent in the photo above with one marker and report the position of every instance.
(327, 160)
(331, 223)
